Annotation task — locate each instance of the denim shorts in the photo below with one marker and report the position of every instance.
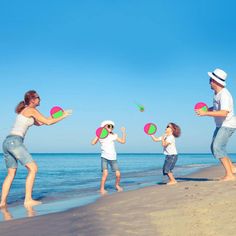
(219, 141)
(113, 164)
(14, 150)
(169, 164)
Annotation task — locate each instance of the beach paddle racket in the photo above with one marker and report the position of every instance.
(150, 128)
(201, 105)
(56, 112)
(102, 132)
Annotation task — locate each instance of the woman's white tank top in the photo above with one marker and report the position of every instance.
(21, 125)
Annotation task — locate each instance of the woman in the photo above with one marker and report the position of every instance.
(14, 150)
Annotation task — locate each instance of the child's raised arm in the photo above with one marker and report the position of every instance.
(95, 140)
(155, 139)
(123, 139)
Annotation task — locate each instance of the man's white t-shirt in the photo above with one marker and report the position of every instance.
(171, 148)
(224, 101)
(108, 147)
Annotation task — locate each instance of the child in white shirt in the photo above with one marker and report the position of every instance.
(168, 143)
(108, 154)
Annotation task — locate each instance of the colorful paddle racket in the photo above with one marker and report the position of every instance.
(102, 132)
(150, 128)
(201, 105)
(56, 112)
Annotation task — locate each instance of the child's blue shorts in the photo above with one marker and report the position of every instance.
(169, 163)
(113, 164)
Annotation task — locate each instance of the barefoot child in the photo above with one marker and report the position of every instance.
(108, 155)
(168, 142)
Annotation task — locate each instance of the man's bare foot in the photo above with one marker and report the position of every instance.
(119, 189)
(171, 183)
(228, 178)
(31, 203)
(103, 192)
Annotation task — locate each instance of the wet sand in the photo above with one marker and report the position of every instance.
(199, 205)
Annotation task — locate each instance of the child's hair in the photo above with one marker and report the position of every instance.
(176, 129)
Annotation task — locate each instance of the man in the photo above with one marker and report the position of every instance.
(223, 113)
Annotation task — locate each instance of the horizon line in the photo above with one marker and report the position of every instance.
(121, 153)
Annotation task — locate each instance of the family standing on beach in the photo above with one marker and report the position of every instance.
(14, 149)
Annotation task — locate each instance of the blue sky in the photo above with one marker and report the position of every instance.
(100, 57)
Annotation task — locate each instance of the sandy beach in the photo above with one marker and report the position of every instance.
(198, 205)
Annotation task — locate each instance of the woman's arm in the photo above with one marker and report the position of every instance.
(37, 123)
(42, 120)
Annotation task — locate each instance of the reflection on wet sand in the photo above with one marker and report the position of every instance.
(30, 211)
(7, 215)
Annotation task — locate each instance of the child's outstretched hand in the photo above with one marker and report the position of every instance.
(123, 139)
(123, 129)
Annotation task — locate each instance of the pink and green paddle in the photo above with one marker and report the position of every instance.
(150, 128)
(56, 112)
(201, 105)
(102, 132)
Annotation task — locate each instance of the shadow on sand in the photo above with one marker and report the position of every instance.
(185, 179)
(182, 179)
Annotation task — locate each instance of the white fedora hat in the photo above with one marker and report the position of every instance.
(107, 122)
(219, 76)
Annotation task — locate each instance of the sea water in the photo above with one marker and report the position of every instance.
(68, 180)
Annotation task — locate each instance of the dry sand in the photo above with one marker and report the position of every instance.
(198, 205)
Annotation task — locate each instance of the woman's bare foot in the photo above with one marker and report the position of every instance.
(31, 203)
(171, 183)
(3, 205)
(103, 191)
(118, 188)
